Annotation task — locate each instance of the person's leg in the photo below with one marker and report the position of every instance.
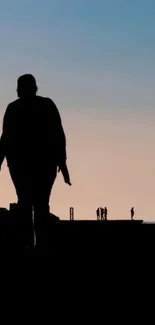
(22, 183)
(42, 187)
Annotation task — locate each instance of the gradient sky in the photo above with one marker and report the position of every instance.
(96, 60)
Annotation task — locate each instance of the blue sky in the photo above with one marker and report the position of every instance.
(101, 51)
(96, 59)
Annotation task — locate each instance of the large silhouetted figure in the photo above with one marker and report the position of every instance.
(34, 144)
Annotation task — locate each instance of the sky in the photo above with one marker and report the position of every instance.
(95, 59)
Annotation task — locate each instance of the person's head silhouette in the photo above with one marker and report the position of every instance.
(26, 86)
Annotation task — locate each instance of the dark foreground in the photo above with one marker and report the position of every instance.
(62, 234)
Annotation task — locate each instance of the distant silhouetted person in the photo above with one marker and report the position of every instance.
(132, 213)
(102, 213)
(98, 214)
(34, 144)
(105, 213)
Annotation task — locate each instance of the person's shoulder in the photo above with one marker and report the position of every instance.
(48, 104)
(13, 104)
(11, 110)
(47, 101)
(12, 107)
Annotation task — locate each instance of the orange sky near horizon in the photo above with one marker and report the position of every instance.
(111, 160)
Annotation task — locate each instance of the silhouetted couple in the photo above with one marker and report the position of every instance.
(34, 144)
(102, 213)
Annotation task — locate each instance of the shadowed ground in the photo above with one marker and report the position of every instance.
(57, 232)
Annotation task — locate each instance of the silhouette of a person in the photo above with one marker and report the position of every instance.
(98, 214)
(105, 213)
(34, 144)
(132, 213)
(102, 213)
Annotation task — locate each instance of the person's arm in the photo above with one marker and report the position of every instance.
(4, 136)
(63, 156)
(2, 150)
(65, 174)
(61, 138)
(60, 141)
(58, 133)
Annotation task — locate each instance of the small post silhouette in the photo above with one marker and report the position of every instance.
(132, 213)
(71, 213)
